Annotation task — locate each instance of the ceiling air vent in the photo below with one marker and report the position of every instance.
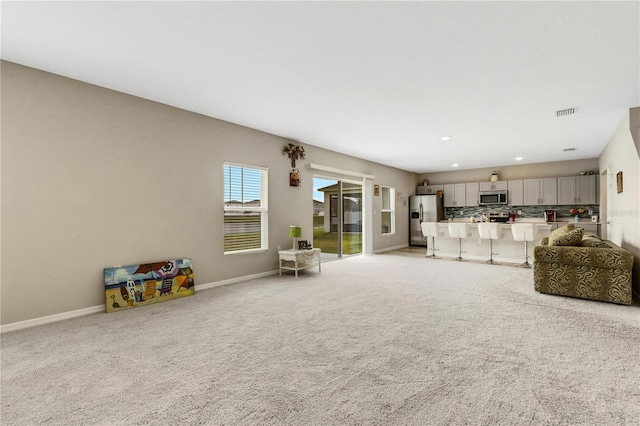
(565, 112)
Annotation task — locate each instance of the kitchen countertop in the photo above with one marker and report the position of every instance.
(504, 224)
(524, 220)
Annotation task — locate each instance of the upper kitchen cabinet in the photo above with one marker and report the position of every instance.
(540, 191)
(515, 193)
(454, 195)
(500, 185)
(472, 194)
(429, 189)
(577, 190)
(586, 188)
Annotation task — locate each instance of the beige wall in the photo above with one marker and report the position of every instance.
(623, 209)
(524, 171)
(93, 178)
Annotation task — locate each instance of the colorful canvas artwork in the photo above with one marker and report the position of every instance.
(138, 285)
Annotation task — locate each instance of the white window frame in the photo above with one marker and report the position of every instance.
(391, 210)
(263, 208)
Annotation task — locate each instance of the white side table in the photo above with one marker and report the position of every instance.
(296, 260)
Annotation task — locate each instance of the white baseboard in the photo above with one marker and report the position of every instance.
(382, 250)
(19, 325)
(234, 280)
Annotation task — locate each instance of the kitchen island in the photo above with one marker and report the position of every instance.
(505, 249)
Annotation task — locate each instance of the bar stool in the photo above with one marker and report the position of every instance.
(459, 231)
(524, 232)
(490, 231)
(431, 229)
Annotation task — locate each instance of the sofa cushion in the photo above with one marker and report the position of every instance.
(592, 240)
(570, 238)
(560, 231)
(563, 229)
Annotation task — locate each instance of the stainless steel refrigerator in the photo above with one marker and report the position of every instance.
(423, 208)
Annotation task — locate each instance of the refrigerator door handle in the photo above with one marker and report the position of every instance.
(420, 212)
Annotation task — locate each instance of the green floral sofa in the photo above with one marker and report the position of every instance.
(570, 263)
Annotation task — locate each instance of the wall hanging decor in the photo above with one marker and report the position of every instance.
(619, 182)
(147, 283)
(294, 152)
(294, 178)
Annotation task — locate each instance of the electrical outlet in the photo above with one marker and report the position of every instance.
(278, 248)
(590, 212)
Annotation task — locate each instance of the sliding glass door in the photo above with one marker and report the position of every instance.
(337, 217)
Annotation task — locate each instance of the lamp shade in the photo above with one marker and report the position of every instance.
(295, 231)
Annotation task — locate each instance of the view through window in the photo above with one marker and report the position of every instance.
(388, 210)
(245, 208)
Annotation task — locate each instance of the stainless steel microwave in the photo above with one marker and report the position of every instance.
(492, 197)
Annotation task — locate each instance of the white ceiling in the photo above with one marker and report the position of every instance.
(382, 81)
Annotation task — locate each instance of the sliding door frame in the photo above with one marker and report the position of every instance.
(366, 180)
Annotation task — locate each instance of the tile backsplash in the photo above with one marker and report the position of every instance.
(527, 211)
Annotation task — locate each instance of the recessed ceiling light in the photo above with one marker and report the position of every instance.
(445, 138)
(518, 158)
(455, 164)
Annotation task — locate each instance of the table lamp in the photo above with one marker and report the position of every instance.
(295, 232)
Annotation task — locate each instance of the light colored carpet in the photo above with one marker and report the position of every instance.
(391, 339)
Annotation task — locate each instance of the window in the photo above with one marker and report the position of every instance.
(245, 209)
(388, 211)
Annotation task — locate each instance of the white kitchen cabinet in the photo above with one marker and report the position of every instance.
(531, 191)
(515, 194)
(577, 190)
(540, 191)
(567, 190)
(454, 195)
(549, 191)
(500, 185)
(586, 189)
(472, 194)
